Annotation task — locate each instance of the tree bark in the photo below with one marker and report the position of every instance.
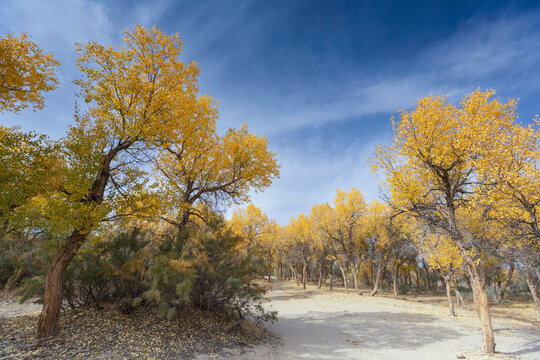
(321, 274)
(331, 276)
(506, 282)
(355, 269)
(459, 298)
(482, 307)
(396, 276)
(304, 275)
(345, 282)
(449, 295)
(54, 286)
(532, 288)
(378, 278)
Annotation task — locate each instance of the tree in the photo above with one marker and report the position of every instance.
(140, 96)
(341, 225)
(259, 233)
(300, 241)
(204, 167)
(436, 168)
(28, 164)
(26, 73)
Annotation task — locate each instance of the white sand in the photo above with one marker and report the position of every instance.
(323, 325)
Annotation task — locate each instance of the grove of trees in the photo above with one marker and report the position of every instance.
(125, 208)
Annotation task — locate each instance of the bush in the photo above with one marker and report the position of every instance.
(208, 272)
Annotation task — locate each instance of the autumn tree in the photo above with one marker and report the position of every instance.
(140, 96)
(260, 234)
(26, 73)
(516, 198)
(436, 168)
(202, 166)
(300, 242)
(341, 226)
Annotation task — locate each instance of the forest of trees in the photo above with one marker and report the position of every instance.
(125, 208)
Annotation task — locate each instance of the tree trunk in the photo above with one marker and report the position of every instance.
(396, 276)
(449, 295)
(331, 276)
(506, 282)
(459, 298)
(321, 275)
(304, 275)
(13, 279)
(345, 282)
(532, 287)
(378, 278)
(54, 286)
(482, 307)
(355, 269)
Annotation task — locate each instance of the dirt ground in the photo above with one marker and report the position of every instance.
(318, 324)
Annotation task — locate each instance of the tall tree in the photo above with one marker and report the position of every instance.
(436, 168)
(140, 96)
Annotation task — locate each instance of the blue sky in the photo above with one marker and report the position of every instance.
(319, 78)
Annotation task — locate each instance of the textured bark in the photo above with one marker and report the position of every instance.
(54, 286)
(355, 269)
(532, 288)
(506, 282)
(331, 276)
(304, 275)
(321, 275)
(482, 308)
(449, 295)
(345, 282)
(396, 276)
(378, 278)
(459, 298)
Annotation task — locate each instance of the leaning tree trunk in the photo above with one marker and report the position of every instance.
(345, 282)
(54, 286)
(13, 279)
(449, 295)
(377, 278)
(482, 307)
(532, 287)
(506, 282)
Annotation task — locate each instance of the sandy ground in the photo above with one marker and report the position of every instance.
(323, 325)
(315, 324)
(10, 307)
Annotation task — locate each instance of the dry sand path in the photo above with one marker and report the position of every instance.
(323, 325)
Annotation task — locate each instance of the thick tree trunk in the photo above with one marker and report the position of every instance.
(54, 286)
(532, 288)
(482, 307)
(506, 282)
(345, 282)
(449, 295)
